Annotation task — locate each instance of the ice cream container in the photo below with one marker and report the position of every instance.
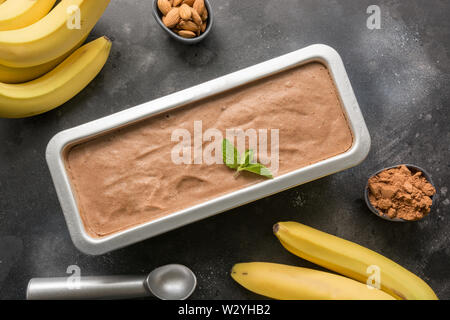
(64, 140)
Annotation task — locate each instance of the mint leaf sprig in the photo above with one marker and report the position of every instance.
(233, 160)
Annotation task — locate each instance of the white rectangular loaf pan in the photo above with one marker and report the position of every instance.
(67, 138)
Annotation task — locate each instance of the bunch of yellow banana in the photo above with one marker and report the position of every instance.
(41, 63)
(336, 254)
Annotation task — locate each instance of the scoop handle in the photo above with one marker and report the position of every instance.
(87, 288)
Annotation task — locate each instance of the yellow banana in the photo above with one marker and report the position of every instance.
(16, 14)
(57, 86)
(283, 282)
(19, 75)
(351, 260)
(52, 36)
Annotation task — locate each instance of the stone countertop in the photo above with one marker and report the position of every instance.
(400, 74)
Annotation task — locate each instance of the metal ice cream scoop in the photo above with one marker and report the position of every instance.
(170, 282)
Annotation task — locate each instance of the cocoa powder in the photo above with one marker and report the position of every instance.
(398, 193)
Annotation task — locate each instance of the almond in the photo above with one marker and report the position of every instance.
(189, 2)
(203, 27)
(196, 17)
(164, 6)
(205, 15)
(186, 34)
(172, 18)
(185, 12)
(188, 25)
(176, 3)
(199, 6)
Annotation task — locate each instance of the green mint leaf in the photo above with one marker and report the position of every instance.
(258, 169)
(230, 154)
(233, 160)
(247, 158)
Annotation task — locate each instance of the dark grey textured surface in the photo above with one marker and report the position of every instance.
(400, 75)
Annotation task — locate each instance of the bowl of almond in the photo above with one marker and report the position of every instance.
(188, 21)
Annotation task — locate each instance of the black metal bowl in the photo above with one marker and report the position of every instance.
(210, 21)
(413, 169)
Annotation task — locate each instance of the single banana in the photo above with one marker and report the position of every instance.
(20, 75)
(16, 14)
(283, 282)
(52, 36)
(351, 260)
(57, 86)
